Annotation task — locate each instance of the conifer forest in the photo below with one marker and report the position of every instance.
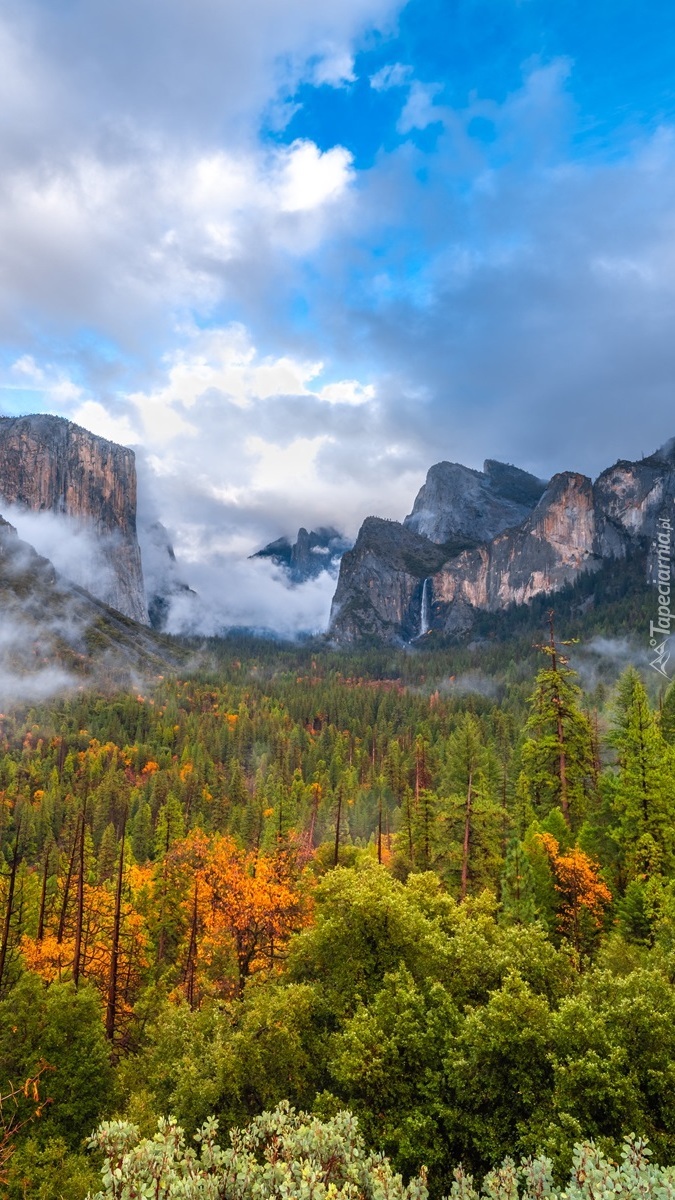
(395, 927)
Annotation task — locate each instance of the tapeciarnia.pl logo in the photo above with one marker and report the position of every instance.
(659, 630)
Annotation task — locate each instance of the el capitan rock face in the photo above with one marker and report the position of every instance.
(392, 590)
(47, 464)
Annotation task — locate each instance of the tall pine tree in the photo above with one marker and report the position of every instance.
(557, 762)
(643, 790)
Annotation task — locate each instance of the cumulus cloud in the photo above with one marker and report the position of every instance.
(167, 230)
(209, 468)
(290, 337)
(135, 185)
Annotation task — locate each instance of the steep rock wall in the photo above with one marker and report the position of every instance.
(50, 465)
(574, 526)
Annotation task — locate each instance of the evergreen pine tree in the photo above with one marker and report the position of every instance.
(517, 887)
(470, 843)
(668, 716)
(557, 763)
(107, 855)
(170, 825)
(643, 791)
(141, 833)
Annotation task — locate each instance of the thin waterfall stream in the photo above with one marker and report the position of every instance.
(424, 609)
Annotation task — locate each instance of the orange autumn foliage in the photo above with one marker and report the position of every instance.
(242, 908)
(53, 960)
(584, 896)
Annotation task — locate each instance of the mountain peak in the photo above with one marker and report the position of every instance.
(312, 552)
(460, 503)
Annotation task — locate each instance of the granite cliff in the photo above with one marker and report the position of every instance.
(402, 581)
(49, 465)
(458, 502)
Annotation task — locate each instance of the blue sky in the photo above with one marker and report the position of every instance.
(297, 253)
(621, 54)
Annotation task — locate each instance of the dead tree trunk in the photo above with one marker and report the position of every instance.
(379, 825)
(191, 965)
(560, 732)
(77, 956)
(43, 893)
(336, 855)
(7, 923)
(115, 946)
(66, 889)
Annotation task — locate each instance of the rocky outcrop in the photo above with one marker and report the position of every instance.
(380, 586)
(392, 590)
(560, 539)
(163, 583)
(311, 553)
(457, 502)
(49, 465)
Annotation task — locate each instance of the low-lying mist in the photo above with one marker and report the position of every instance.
(74, 547)
(254, 594)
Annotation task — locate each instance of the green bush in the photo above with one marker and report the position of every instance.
(294, 1156)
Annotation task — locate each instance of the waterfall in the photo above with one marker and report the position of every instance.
(424, 610)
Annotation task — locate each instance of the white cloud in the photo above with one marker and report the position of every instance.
(93, 416)
(224, 364)
(74, 547)
(236, 591)
(51, 383)
(308, 178)
(347, 391)
(122, 246)
(135, 184)
(27, 369)
(394, 75)
(420, 109)
(335, 68)
(285, 469)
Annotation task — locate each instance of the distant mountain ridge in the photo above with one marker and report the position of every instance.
(312, 552)
(515, 537)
